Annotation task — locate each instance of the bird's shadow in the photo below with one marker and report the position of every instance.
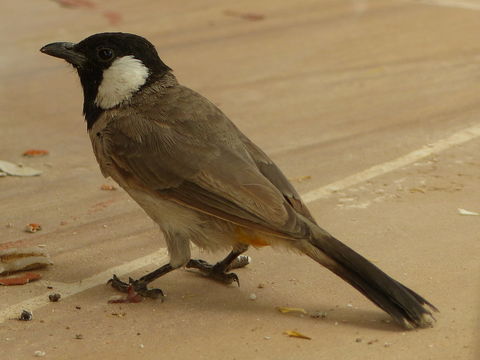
(214, 301)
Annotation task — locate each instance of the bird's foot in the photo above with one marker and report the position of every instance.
(138, 286)
(218, 271)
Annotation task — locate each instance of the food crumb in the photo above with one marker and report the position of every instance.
(39, 353)
(33, 228)
(252, 296)
(107, 187)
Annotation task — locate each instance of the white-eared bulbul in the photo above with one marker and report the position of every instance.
(201, 179)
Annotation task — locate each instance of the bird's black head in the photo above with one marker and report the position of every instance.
(112, 68)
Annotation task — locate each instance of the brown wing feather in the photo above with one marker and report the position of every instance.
(271, 171)
(195, 156)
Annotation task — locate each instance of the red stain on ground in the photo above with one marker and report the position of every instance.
(113, 17)
(100, 206)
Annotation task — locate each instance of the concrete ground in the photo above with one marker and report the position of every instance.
(372, 108)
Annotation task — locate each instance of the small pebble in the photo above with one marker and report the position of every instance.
(261, 286)
(387, 344)
(267, 337)
(54, 297)
(39, 353)
(78, 336)
(26, 316)
(358, 340)
(252, 296)
(349, 305)
(142, 346)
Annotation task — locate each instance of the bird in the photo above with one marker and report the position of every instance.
(201, 179)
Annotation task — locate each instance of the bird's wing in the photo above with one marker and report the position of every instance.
(198, 158)
(271, 171)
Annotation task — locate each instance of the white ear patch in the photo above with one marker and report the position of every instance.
(120, 81)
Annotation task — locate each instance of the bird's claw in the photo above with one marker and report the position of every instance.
(138, 286)
(213, 271)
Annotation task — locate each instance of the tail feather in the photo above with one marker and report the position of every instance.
(404, 305)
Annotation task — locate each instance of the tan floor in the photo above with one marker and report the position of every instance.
(328, 89)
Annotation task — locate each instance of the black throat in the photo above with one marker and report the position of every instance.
(90, 80)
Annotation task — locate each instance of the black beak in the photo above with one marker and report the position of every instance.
(66, 51)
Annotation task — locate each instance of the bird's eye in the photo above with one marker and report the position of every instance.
(105, 54)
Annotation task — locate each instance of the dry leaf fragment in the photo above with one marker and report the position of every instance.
(17, 170)
(467, 212)
(35, 152)
(20, 280)
(296, 334)
(107, 187)
(285, 310)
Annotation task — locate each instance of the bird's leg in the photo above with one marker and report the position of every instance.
(218, 272)
(140, 285)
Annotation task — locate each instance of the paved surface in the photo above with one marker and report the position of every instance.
(329, 89)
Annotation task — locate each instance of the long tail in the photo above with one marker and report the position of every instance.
(404, 305)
